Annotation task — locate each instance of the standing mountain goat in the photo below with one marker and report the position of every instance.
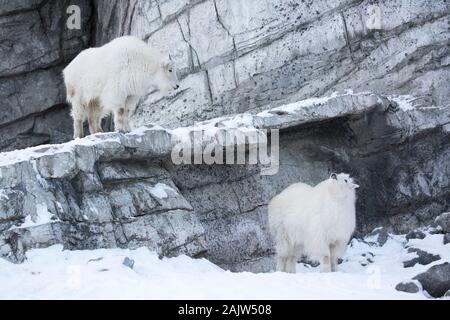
(112, 79)
(313, 221)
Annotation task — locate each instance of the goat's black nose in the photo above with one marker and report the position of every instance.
(177, 86)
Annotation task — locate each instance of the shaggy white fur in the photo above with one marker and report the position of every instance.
(313, 221)
(112, 79)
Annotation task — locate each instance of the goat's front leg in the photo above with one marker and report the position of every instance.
(291, 264)
(333, 257)
(325, 264)
(130, 108)
(282, 263)
(120, 122)
(127, 126)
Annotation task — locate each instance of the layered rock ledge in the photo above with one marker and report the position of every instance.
(232, 56)
(122, 190)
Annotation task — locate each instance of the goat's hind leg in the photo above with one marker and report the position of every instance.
(78, 119)
(293, 257)
(282, 263)
(282, 258)
(95, 117)
(333, 257)
(325, 260)
(337, 250)
(286, 259)
(291, 264)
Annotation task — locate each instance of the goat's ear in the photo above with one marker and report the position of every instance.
(165, 64)
(333, 176)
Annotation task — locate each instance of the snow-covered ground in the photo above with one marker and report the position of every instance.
(53, 273)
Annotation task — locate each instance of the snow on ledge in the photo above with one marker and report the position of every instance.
(16, 156)
(43, 216)
(293, 107)
(159, 190)
(280, 117)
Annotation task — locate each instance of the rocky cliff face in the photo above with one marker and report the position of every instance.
(233, 56)
(35, 45)
(112, 190)
(244, 55)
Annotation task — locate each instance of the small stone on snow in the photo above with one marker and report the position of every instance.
(436, 280)
(128, 262)
(409, 286)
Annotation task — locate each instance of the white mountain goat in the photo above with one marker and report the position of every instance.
(112, 79)
(313, 221)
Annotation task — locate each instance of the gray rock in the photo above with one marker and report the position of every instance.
(308, 262)
(122, 190)
(443, 221)
(267, 52)
(368, 259)
(408, 286)
(11, 204)
(36, 44)
(415, 234)
(260, 54)
(381, 235)
(423, 258)
(127, 262)
(98, 205)
(447, 238)
(436, 280)
(20, 5)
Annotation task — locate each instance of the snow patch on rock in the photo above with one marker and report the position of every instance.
(43, 216)
(159, 190)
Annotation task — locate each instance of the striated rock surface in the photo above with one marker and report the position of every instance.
(35, 45)
(232, 56)
(115, 190)
(242, 55)
(80, 195)
(252, 56)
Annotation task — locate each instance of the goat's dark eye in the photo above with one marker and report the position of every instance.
(345, 180)
(170, 70)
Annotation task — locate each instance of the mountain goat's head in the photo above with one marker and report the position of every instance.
(167, 79)
(344, 180)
